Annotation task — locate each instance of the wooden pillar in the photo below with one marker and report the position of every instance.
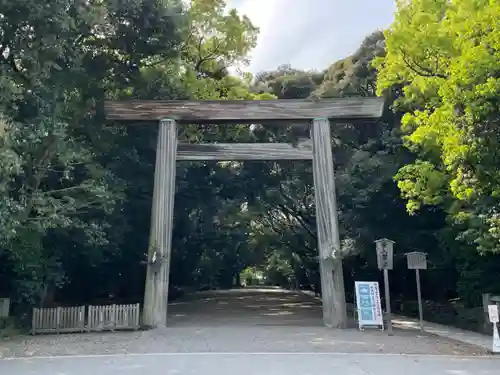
(332, 278)
(158, 269)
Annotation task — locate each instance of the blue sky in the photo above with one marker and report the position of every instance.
(311, 34)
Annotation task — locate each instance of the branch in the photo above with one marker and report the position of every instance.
(300, 218)
(290, 226)
(38, 169)
(424, 72)
(272, 226)
(208, 57)
(185, 44)
(63, 190)
(36, 172)
(292, 202)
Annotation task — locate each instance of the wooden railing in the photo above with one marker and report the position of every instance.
(77, 319)
(58, 320)
(113, 317)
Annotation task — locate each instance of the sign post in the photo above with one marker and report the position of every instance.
(385, 261)
(368, 304)
(418, 261)
(4, 307)
(494, 318)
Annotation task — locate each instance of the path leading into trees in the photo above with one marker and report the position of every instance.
(247, 332)
(246, 307)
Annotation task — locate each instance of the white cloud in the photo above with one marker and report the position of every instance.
(262, 14)
(311, 34)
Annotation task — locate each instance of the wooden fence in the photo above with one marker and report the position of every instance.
(58, 320)
(113, 317)
(75, 319)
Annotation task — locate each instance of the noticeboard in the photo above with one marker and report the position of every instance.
(493, 313)
(496, 339)
(416, 260)
(385, 253)
(368, 304)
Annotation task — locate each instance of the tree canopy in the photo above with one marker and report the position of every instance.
(450, 87)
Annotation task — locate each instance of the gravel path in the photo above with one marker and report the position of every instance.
(254, 321)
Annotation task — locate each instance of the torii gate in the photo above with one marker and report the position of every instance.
(169, 114)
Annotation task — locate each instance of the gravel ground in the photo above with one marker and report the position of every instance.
(239, 322)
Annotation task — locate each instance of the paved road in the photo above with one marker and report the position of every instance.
(248, 332)
(252, 364)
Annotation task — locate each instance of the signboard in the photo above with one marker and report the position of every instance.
(385, 256)
(493, 313)
(4, 307)
(416, 260)
(368, 304)
(494, 318)
(496, 339)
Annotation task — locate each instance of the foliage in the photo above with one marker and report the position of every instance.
(354, 75)
(251, 276)
(217, 40)
(288, 83)
(57, 165)
(450, 90)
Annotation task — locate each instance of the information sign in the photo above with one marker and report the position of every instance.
(368, 304)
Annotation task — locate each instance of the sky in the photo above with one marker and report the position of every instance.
(311, 34)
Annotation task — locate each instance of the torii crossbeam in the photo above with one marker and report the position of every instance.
(318, 149)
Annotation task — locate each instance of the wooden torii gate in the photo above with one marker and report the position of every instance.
(170, 114)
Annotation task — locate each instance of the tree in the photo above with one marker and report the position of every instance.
(56, 61)
(215, 40)
(450, 91)
(287, 83)
(354, 75)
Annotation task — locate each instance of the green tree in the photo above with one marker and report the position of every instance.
(354, 75)
(57, 181)
(449, 88)
(287, 83)
(216, 40)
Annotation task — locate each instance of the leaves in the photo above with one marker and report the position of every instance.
(216, 40)
(57, 167)
(451, 95)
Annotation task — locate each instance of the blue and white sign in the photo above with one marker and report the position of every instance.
(368, 304)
